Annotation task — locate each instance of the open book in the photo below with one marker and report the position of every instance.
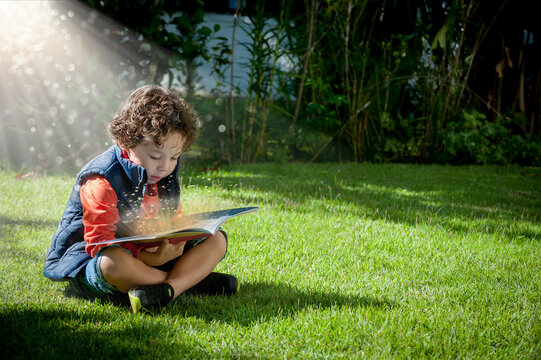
(188, 227)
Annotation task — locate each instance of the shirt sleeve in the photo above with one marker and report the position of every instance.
(100, 214)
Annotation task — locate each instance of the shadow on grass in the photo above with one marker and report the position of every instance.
(261, 302)
(29, 332)
(255, 302)
(6, 221)
(460, 199)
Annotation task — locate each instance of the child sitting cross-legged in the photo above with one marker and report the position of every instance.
(135, 181)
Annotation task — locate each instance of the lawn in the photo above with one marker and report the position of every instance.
(342, 261)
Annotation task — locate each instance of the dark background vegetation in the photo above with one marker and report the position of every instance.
(417, 81)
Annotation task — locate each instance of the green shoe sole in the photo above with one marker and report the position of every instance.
(135, 303)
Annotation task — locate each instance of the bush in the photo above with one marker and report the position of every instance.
(473, 139)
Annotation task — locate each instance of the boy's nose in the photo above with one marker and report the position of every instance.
(163, 167)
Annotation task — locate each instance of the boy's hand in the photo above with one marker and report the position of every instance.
(165, 252)
(169, 251)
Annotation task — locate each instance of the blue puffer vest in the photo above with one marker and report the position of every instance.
(67, 255)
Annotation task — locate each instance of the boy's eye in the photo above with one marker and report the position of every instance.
(154, 157)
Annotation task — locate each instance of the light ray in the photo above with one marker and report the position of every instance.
(64, 73)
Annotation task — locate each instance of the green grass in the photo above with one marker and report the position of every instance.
(342, 261)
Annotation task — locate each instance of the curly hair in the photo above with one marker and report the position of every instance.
(152, 113)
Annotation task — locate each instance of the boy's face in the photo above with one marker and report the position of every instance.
(158, 161)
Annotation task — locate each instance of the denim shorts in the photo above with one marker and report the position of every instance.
(91, 280)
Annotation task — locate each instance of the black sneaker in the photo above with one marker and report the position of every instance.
(215, 284)
(150, 296)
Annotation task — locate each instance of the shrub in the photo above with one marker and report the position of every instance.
(473, 139)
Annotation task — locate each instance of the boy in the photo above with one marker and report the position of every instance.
(122, 189)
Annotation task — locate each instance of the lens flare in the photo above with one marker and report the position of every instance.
(65, 70)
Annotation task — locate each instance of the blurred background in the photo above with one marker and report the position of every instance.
(419, 81)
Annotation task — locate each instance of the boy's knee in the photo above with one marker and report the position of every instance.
(112, 260)
(220, 242)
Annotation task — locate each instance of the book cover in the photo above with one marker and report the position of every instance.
(187, 227)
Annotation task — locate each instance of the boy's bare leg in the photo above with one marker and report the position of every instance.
(197, 263)
(124, 272)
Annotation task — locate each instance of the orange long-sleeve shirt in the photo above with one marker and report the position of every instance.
(100, 213)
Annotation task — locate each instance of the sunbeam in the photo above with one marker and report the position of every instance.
(65, 70)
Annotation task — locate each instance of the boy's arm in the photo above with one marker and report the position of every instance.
(100, 214)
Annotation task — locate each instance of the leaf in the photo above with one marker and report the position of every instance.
(205, 31)
(171, 77)
(174, 39)
(183, 23)
(199, 16)
(441, 38)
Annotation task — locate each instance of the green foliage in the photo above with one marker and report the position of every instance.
(475, 140)
(382, 82)
(266, 46)
(322, 113)
(190, 42)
